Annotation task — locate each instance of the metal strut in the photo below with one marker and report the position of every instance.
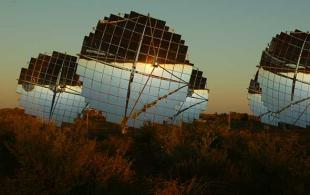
(134, 69)
(297, 66)
(184, 109)
(132, 73)
(141, 92)
(303, 112)
(53, 110)
(286, 107)
(153, 103)
(149, 75)
(55, 91)
(52, 105)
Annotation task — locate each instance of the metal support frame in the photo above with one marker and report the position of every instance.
(184, 109)
(153, 103)
(133, 71)
(302, 113)
(55, 89)
(284, 108)
(297, 66)
(294, 79)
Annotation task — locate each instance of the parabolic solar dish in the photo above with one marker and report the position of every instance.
(134, 69)
(280, 91)
(50, 88)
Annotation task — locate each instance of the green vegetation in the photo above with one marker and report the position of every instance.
(199, 158)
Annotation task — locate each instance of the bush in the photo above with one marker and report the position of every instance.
(198, 158)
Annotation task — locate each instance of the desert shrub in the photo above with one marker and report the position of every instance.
(60, 160)
(149, 157)
(197, 158)
(192, 186)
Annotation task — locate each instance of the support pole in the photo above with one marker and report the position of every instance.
(124, 128)
(55, 90)
(297, 67)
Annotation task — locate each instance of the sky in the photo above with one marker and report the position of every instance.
(225, 37)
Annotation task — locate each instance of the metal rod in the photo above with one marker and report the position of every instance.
(286, 107)
(303, 112)
(134, 68)
(184, 109)
(153, 103)
(297, 66)
(55, 104)
(55, 90)
(141, 93)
